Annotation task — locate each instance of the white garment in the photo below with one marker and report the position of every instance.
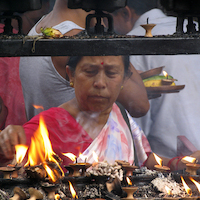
(171, 114)
(41, 83)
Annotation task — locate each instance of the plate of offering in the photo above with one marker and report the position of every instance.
(159, 84)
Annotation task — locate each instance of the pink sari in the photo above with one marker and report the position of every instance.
(114, 142)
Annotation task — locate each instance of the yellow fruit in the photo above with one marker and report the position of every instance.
(51, 32)
(155, 83)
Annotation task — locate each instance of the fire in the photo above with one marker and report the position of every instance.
(20, 152)
(40, 150)
(187, 189)
(158, 159)
(72, 190)
(70, 156)
(168, 190)
(57, 197)
(38, 107)
(196, 183)
(188, 159)
(165, 73)
(83, 157)
(50, 173)
(128, 181)
(96, 159)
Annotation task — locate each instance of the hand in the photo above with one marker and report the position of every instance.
(9, 137)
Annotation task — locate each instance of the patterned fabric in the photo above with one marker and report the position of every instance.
(114, 142)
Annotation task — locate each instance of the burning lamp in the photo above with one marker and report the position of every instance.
(160, 166)
(191, 164)
(72, 190)
(74, 168)
(169, 195)
(167, 80)
(130, 189)
(188, 191)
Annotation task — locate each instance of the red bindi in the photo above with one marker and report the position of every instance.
(101, 63)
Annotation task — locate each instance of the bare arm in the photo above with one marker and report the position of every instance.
(176, 163)
(133, 96)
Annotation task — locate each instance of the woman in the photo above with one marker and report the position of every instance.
(91, 121)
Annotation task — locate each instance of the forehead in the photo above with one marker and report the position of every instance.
(102, 60)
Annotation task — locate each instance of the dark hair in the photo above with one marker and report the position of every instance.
(142, 6)
(74, 60)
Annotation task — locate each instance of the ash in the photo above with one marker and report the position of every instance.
(144, 171)
(177, 190)
(92, 191)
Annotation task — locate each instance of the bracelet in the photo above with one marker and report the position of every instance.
(171, 160)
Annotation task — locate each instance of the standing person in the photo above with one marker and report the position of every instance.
(12, 108)
(44, 78)
(170, 115)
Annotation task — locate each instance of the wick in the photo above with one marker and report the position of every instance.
(147, 20)
(76, 160)
(85, 160)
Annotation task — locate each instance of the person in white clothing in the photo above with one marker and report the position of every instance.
(172, 114)
(44, 79)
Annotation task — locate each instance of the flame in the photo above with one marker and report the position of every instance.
(40, 149)
(168, 190)
(70, 156)
(72, 190)
(189, 159)
(158, 159)
(83, 157)
(128, 181)
(187, 189)
(196, 183)
(50, 173)
(20, 152)
(165, 73)
(96, 159)
(57, 197)
(38, 107)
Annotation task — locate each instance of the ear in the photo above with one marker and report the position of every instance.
(127, 13)
(69, 73)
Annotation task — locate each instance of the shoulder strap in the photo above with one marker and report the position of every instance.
(125, 116)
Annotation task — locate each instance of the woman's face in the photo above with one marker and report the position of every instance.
(97, 82)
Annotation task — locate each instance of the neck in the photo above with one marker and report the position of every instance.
(62, 12)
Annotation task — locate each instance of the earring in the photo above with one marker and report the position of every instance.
(71, 84)
(122, 87)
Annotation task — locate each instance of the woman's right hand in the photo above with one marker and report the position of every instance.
(9, 137)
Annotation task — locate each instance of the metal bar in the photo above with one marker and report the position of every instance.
(98, 46)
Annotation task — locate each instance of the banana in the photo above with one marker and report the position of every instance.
(158, 77)
(51, 32)
(157, 81)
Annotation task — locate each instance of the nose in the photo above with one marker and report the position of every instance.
(100, 80)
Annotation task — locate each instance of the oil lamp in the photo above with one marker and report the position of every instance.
(130, 189)
(191, 164)
(160, 166)
(78, 168)
(167, 81)
(148, 27)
